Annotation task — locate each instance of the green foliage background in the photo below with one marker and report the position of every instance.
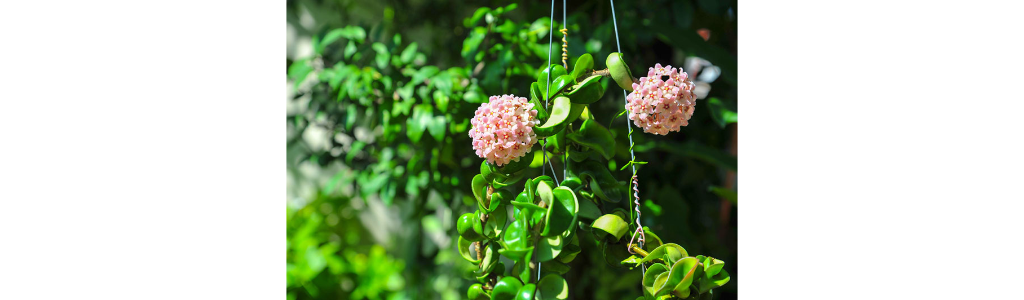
(380, 94)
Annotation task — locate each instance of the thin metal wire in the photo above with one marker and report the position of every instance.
(632, 156)
(543, 149)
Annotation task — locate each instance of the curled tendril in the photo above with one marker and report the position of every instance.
(565, 47)
(639, 228)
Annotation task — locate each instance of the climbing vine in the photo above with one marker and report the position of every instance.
(538, 222)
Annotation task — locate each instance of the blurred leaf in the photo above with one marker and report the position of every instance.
(383, 56)
(719, 113)
(724, 193)
(700, 151)
(472, 43)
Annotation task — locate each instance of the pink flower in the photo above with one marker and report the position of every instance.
(663, 101)
(502, 129)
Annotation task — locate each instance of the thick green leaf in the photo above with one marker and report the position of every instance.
(612, 224)
(574, 112)
(526, 292)
(588, 210)
(603, 183)
(469, 227)
(490, 259)
(495, 224)
(556, 70)
(555, 266)
(487, 170)
(561, 216)
(718, 280)
(553, 287)
(570, 250)
(544, 192)
(506, 288)
(595, 136)
(480, 189)
(476, 292)
(587, 91)
(516, 240)
(464, 250)
(500, 182)
(584, 64)
(712, 266)
(557, 120)
(518, 164)
(670, 252)
(652, 273)
(558, 84)
(678, 280)
(619, 71)
(548, 248)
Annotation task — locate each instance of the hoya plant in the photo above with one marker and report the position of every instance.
(538, 221)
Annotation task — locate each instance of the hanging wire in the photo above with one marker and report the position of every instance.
(565, 54)
(632, 156)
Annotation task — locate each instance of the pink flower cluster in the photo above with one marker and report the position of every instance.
(660, 106)
(502, 129)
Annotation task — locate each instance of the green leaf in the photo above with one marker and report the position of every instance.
(561, 215)
(299, 70)
(436, 127)
(477, 15)
(409, 53)
(350, 49)
(588, 210)
(516, 243)
(506, 288)
(583, 64)
(557, 121)
(476, 292)
(480, 189)
(712, 266)
(555, 71)
(670, 252)
(718, 280)
(722, 115)
(469, 227)
(700, 151)
(518, 164)
(558, 84)
(495, 224)
(587, 91)
(526, 292)
(678, 280)
(553, 286)
(490, 259)
(652, 273)
(612, 224)
(464, 250)
(619, 71)
(548, 248)
(603, 183)
(472, 43)
(570, 250)
(595, 136)
(349, 32)
(383, 56)
(727, 194)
